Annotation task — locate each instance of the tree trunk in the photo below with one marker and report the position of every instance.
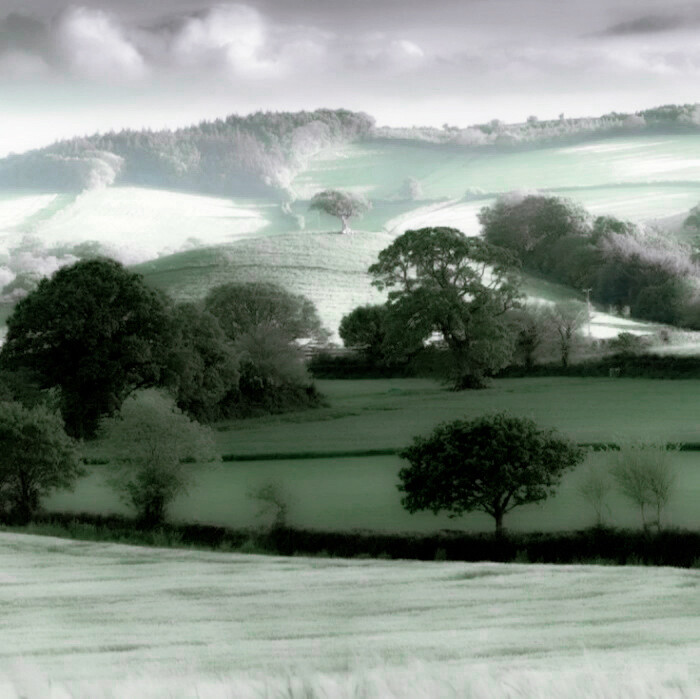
(499, 525)
(346, 227)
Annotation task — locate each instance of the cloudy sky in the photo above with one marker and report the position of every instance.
(70, 68)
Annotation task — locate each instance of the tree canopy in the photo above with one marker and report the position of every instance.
(363, 329)
(491, 464)
(202, 365)
(241, 307)
(440, 280)
(36, 458)
(342, 205)
(96, 331)
(263, 321)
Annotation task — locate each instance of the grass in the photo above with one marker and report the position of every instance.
(388, 413)
(355, 491)
(84, 619)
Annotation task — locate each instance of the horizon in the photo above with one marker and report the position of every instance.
(106, 65)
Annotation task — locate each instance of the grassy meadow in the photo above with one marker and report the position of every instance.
(357, 491)
(85, 619)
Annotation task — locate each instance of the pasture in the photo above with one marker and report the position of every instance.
(359, 492)
(107, 620)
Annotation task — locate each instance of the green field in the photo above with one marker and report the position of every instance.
(107, 620)
(387, 413)
(354, 491)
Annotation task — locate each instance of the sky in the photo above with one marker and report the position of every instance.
(76, 68)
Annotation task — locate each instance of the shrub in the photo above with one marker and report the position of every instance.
(153, 442)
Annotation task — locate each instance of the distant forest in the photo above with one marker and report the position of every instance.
(260, 154)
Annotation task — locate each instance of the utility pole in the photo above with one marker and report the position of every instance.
(588, 309)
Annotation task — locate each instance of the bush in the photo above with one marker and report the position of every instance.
(154, 443)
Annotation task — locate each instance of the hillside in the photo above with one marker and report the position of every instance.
(87, 619)
(263, 152)
(186, 241)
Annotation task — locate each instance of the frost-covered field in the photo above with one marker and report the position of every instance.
(106, 620)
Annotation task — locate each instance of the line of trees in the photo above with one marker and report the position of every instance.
(94, 333)
(622, 264)
(250, 155)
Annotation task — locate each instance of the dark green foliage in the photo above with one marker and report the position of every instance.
(95, 331)
(327, 366)
(263, 322)
(491, 464)
(363, 330)
(644, 366)
(202, 365)
(628, 344)
(621, 264)
(36, 457)
(437, 281)
(242, 308)
(598, 545)
(531, 226)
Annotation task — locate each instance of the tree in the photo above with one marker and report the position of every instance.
(692, 221)
(644, 474)
(342, 205)
(440, 280)
(491, 464)
(529, 226)
(242, 307)
(532, 327)
(36, 457)
(154, 444)
(565, 319)
(202, 365)
(264, 322)
(594, 489)
(363, 330)
(94, 330)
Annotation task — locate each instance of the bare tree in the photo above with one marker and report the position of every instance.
(594, 489)
(566, 318)
(643, 473)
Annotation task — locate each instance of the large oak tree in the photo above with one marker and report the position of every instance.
(440, 280)
(95, 331)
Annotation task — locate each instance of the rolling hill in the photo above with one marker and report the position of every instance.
(186, 241)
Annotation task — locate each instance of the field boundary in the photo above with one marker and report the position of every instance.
(358, 453)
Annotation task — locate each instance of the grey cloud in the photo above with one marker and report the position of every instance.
(651, 24)
(21, 33)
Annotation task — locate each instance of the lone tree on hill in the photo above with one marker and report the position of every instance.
(491, 464)
(94, 330)
(36, 457)
(440, 280)
(342, 205)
